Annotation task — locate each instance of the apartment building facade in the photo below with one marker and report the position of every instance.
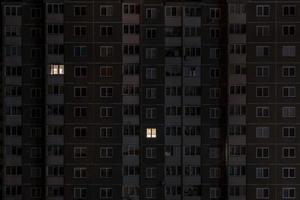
(149, 99)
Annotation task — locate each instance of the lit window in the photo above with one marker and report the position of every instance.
(151, 132)
(56, 69)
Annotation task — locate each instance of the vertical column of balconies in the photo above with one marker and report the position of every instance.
(191, 99)
(54, 99)
(131, 89)
(12, 100)
(213, 98)
(236, 138)
(173, 52)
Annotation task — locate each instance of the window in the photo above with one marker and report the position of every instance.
(213, 152)
(35, 152)
(238, 49)
(289, 51)
(262, 111)
(79, 152)
(192, 111)
(55, 90)
(151, 13)
(151, 93)
(151, 133)
(214, 113)
(79, 193)
(13, 10)
(150, 152)
(80, 10)
(288, 112)
(263, 10)
(262, 71)
(55, 29)
(237, 90)
(106, 132)
(262, 152)
(262, 51)
(106, 193)
(215, 33)
(36, 73)
(35, 172)
(106, 71)
(237, 109)
(192, 51)
(131, 49)
(237, 150)
(262, 30)
(214, 192)
(151, 113)
(288, 152)
(288, 172)
(288, 10)
(237, 28)
(131, 29)
(13, 130)
(106, 10)
(288, 132)
(80, 111)
(262, 91)
(262, 132)
(131, 8)
(12, 31)
(35, 13)
(289, 91)
(80, 91)
(214, 93)
(80, 132)
(106, 172)
(237, 8)
(150, 193)
(151, 172)
(80, 51)
(106, 112)
(151, 33)
(12, 51)
(288, 30)
(79, 172)
(192, 150)
(13, 190)
(215, 13)
(106, 91)
(262, 193)
(80, 71)
(151, 53)
(55, 8)
(173, 11)
(192, 11)
(214, 172)
(237, 170)
(80, 30)
(13, 170)
(106, 152)
(106, 51)
(289, 71)
(288, 193)
(262, 172)
(106, 31)
(151, 73)
(36, 112)
(55, 49)
(214, 53)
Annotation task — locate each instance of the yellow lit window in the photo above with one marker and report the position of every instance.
(151, 132)
(57, 69)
